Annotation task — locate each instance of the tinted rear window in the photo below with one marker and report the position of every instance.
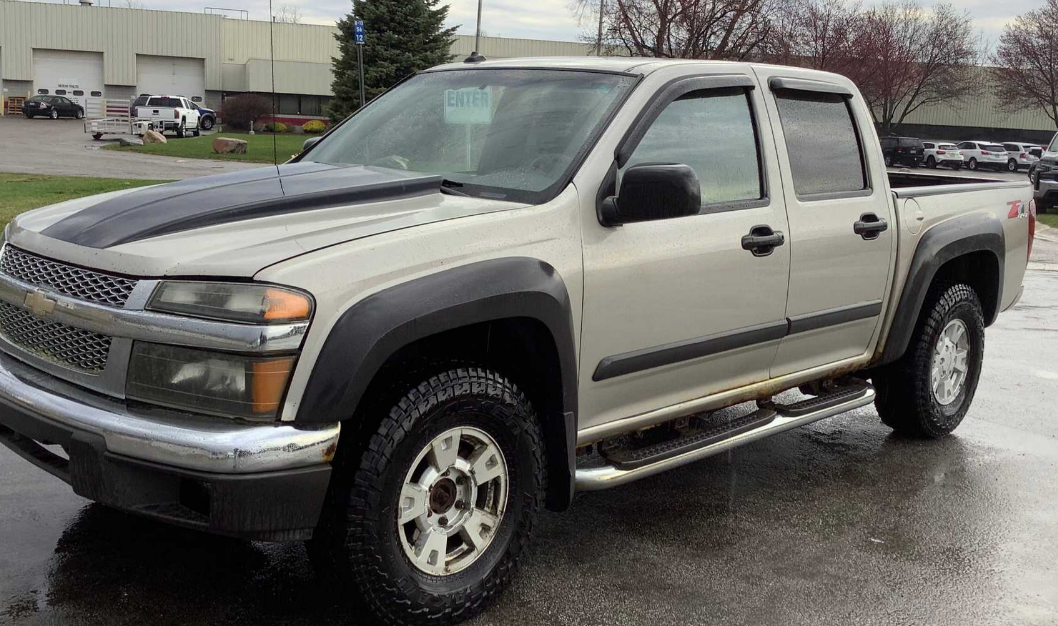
(994, 147)
(947, 146)
(910, 143)
(822, 142)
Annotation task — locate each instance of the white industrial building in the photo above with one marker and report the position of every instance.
(84, 50)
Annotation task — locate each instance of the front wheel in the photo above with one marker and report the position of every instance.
(929, 390)
(888, 161)
(54, 114)
(80, 114)
(97, 136)
(432, 521)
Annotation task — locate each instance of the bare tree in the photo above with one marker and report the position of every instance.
(1026, 61)
(689, 29)
(288, 14)
(910, 58)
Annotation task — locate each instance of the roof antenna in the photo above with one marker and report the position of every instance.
(272, 61)
(474, 56)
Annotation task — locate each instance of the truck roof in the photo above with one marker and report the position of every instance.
(632, 65)
(627, 65)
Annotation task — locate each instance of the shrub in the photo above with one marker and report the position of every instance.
(276, 127)
(314, 127)
(240, 112)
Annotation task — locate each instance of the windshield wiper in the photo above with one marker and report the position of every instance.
(449, 187)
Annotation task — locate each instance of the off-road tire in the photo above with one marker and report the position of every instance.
(905, 400)
(356, 543)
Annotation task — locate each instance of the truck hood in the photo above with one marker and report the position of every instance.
(236, 224)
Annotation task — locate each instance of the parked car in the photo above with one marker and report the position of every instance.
(942, 154)
(167, 113)
(557, 308)
(905, 150)
(52, 106)
(1044, 176)
(980, 154)
(207, 118)
(1019, 155)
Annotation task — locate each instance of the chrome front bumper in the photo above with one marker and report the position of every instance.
(169, 438)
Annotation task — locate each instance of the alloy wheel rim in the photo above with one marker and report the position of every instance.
(452, 501)
(950, 362)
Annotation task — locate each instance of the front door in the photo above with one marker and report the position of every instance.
(677, 309)
(841, 226)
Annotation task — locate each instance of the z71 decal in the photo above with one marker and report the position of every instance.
(1018, 210)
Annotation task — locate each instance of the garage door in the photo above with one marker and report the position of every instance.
(75, 75)
(171, 76)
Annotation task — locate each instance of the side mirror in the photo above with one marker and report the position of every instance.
(653, 191)
(309, 143)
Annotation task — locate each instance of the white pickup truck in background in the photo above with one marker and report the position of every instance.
(168, 113)
(497, 284)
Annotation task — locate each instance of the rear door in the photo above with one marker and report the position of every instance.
(841, 227)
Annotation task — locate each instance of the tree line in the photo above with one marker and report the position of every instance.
(902, 54)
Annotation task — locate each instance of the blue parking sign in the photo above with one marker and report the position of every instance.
(358, 31)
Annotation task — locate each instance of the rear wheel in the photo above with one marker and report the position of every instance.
(888, 160)
(929, 390)
(180, 129)
(1012, 165)
(432, 521)
(97, 136)
(931, 162)
(972, 164)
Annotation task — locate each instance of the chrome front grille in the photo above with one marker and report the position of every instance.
(68, 346)
(73, 281)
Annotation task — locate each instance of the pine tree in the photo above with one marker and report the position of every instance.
(402, 37)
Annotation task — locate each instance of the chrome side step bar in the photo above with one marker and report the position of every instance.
(605, 477)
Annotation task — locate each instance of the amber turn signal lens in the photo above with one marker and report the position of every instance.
(286, 305)
(269, 382)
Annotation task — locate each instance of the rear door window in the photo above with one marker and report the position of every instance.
(823, 144)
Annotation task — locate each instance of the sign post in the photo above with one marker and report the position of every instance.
(358, 38)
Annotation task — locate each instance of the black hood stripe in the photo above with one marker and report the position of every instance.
(213, 200)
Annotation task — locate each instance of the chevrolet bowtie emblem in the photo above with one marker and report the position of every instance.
(39, 303)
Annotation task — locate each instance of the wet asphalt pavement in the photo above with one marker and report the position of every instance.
(837, 523)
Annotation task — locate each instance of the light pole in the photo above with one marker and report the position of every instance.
(598, 43)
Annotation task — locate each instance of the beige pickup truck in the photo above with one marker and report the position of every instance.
(498, 284)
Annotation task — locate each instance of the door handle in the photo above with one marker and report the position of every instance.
(762, 240)
(869, 226)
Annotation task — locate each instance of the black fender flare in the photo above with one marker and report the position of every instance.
(938, 245)
(375, 328)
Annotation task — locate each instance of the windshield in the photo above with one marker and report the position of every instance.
(508, 134)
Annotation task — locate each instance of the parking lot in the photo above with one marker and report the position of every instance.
(61, 147)
(837, 523)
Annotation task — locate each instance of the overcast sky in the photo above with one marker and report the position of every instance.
(536, 19)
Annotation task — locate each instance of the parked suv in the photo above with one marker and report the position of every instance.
(1020, 155)
(1044, 176)
(168, 113)
(980, 154)
(906, 150)
(207, 118)
(52, 106)
(942, 154)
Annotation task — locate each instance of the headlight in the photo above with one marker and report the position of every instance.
(230, 385)
(233, 302)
